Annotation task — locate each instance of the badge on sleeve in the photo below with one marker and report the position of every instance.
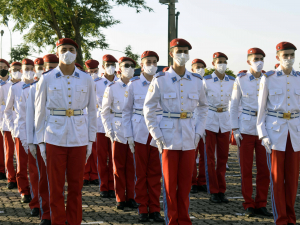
(126, 94)
(151, 88)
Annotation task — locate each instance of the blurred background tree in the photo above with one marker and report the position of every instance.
(209, 71)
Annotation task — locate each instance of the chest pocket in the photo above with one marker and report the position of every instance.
(212, 97)
(80, 92)
(193, 99)
(55, 91)
(297, 93)
(169, 98)
(247, 96)
(117, 104)
(139, 99)
(276, 96)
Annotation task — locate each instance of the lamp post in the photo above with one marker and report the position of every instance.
(177, 14)
(10, 38)
(2, 32)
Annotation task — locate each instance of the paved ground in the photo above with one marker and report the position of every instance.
(97, 210)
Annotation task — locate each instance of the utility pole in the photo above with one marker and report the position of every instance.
(2, 32)
(10, 38)
(177, 14)
(171, 24)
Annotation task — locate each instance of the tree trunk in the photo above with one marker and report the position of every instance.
(78, 38)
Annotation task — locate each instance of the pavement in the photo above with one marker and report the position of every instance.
(103, 211)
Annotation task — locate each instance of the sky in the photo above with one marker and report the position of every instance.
(231, 27)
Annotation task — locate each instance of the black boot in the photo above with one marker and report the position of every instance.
(215, 198)
(223, 198)
(121, 205)
(95, 182)
(86, 183)
(143, 217)
(45, 222)
(12, 185)
(194, 189)
(35, 212)
(250, 212)
(104, 194)
(111, 194)
(26, 199)
(132, 204)
(263, 211)
(156, 217)
(2, 176)
(202, 188)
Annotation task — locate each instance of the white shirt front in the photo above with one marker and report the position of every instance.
(113, 101)
(59, 91)
(134, 124)
(4, 88)
(279, 93)
(245, 92)
(176, 94)
(218, 93)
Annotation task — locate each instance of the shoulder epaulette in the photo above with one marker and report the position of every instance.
(135, 78)
(97, 79)
(269, 73)
(46, 72)
(241, 75)
(159, 74)
(231, 77)
(26, 86)
(111, 83)
(34, 82)
(197, 75)
(208, 77)
(298, 73)
(2, 83)
(15, 83)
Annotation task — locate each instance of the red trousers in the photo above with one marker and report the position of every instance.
(22, 163)
(105, 167)
(284, 174)
(43, 187)
(215, 178)
(148, 175)
(123, 172)
(200, 180)
(177, 171)
(90, 170)
(62, 162)
(248, 144)
(2, 154)
(34, 181)
(9, 157)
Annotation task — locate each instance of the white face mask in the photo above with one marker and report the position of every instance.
(287, 63)
(16, 75)
(221, 68)
(200, 71)
(67, 57)
(94, 75)
(128, 72)
(181, 59)
(28, 75)
(110, 70)
(257, 66)
(38, 73)
(150, 70)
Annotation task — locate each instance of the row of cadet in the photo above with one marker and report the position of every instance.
(134, 124)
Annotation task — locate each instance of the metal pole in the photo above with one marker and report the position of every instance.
(177, 14)
(10, 38)
(2, 32)
(172, 28)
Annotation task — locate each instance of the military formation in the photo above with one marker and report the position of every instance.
(137, 135)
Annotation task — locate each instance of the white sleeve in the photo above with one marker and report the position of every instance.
(40, 108)
(1, 112)
(127, 111)
(262, 106)
(235, 103)
(201, 111)
(92, 112)
(22, 117)
(31, 112)
(107, 101)
(8, 111)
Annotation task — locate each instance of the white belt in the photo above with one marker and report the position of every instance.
(66, 112)
(182, 115)
(140, 112)
(286, 116)
(249, 112)
(218, 109)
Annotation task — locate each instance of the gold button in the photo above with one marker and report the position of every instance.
(165, 125)
(140, 97)
(271, 127)
(289, 111)
(221, 95)
(258, 89)
(69, 102)
(275, 92)
(55, 121)
(134, 119)
(288, 96)
(181, 97)
(256, 79)
(69, 96)
(68, 77)
(212, 95)
(288, 89)
(193, 96)
(288, 82)
(288, 104)
(169, 96)
(221, 85)
(181, 103)
(287, 75)
(181, 109)
(181, 84)
(81, 90)
(181, 90)
(257, 95)
(69, 89)
(221, 90)
(221, 100)
(68, 82)
(257, 84)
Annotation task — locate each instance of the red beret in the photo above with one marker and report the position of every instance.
(276, 65)
(256, 51)
(50, 58)
(263, 71)
(78, 65)
(219, 54)
(66, 41)
(27, 62)
(39, 61)
(149, 53)
(122, 59)
(91, 64)
(109, 58)
(243, 71)
(179, 42)
(15, 64)
(4, 61)
(285, 46)
(198, 61)
(166, 69)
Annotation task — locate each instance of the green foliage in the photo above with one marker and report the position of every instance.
(50, 20)
(19, 52)
(130, 54)
(209, 71)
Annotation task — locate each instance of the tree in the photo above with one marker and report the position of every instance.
(209, 71)
(50, 20)
(130, 54)
(19, 52)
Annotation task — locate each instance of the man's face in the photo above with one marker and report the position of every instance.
(50, 66)
(108, 64)
(26, 68)
(286, 54)
(38, 67)
(196, 66)
(221, 60)
(148, 61)
(15, 68)
(65, 48)
(126, 64)
(255, 58)
(179, 50)
(3, 66)
(90, 71)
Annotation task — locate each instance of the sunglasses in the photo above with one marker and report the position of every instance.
(129, 65)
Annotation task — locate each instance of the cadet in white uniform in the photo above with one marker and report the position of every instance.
(218, 88)
(113, 100)
(278, 127)
(146, 156)
(245, 92)
(67, 135)
(179, 93)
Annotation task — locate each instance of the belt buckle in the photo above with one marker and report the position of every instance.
(70, 112)
(219, 109)
(256, 113)
(183, 115)
(287, 116)
(97, 106)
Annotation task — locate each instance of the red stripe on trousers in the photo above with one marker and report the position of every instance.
(200, 179)
(9, 157)
(248, 144)
(285, 174)
(123, 172)
(220, 142)
(148, 175)
(22, 164)
(34, 181)
(177, 167)
(2, 154)
(69, 162)
(105, 168)
(90, 170)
